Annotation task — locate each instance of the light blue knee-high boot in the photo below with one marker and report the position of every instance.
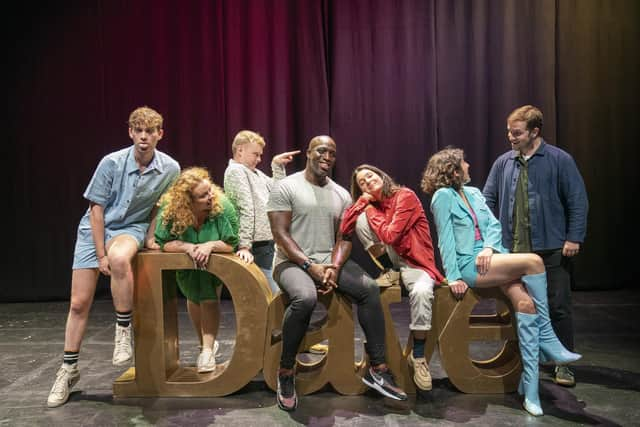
(551, 348)
(528, 340)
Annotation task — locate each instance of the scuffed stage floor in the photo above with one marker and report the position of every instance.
(31, 344)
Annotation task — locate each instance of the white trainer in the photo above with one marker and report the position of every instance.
(216, 347)
(66, 378)
(206, 361)
(123, 351)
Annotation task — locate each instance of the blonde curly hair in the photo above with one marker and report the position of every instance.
(176, 203)
(145, 117)
(443, 170)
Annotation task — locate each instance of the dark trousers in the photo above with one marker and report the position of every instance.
(302, 294)
(263, 254)
(559, 269)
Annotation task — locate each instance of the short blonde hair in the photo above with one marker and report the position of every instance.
(246, 137)
(145, 117)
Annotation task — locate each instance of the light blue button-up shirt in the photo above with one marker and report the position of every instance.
(127, 194)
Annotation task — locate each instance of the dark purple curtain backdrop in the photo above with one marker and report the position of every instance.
(597, 101)
(492, 57)
(383, 86)
(391, 81)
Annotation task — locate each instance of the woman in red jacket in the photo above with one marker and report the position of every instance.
(391, 224)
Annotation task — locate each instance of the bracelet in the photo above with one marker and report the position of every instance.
(306, 264)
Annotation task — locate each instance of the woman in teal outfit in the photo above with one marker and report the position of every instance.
(195, 219)
(469, 238)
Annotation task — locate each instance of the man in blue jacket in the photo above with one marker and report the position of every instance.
(538, 194)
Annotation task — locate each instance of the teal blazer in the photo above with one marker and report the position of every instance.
(456, 234)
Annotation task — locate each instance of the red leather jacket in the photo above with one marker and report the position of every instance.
(398, 221)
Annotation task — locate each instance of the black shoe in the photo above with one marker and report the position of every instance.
(286, 394)
(384, 384)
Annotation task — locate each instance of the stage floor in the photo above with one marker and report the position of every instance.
(32, 337)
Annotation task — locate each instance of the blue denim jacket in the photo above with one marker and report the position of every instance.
(558, 202)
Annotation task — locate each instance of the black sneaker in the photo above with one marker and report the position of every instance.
(286, 394)
(384, 383)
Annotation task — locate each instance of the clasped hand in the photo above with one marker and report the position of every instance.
(325, 276)
(200, 254)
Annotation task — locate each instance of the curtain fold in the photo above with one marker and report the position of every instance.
(391, 81)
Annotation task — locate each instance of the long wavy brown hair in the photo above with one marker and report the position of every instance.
(443, 170)
(176, 203)
(389, 186)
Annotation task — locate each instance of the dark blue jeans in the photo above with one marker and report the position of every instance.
(263, 253)
(301, 291)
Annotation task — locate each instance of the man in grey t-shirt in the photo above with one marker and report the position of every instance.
(305, 210)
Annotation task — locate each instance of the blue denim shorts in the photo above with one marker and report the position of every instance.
(84, 254)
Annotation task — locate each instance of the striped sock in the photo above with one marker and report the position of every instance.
(70, 357)
(123, 318)
(418, 348)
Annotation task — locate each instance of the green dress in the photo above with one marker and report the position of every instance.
(198, 285)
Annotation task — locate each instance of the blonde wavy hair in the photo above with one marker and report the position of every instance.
(176, 203)
(145, 117)
(443, 170)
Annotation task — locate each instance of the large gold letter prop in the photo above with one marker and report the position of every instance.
(157, 368)
(456, 327)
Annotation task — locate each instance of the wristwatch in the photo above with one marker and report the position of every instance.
(306, 264)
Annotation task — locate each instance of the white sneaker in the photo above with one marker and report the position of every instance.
(122, 352)
(206, 361)
(216, 347)
(67, 377)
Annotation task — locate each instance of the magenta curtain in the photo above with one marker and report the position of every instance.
(391, 81)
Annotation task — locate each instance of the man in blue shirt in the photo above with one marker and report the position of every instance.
(122, 196)
(538, 194)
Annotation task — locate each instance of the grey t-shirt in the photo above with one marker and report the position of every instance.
(316, 213)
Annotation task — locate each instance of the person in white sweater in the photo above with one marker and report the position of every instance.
(248, 188)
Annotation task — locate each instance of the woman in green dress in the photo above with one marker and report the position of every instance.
(193, 219)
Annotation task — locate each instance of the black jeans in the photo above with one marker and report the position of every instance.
(559, 269)
(301, 290)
